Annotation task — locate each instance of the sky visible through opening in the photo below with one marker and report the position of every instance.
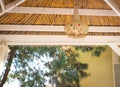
(36, 63)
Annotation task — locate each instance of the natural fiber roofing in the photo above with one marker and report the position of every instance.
(8, 1)
(117, 2)
(50, 19)
(47, 19)
(96, 4)
(55, 33)
(90, 4)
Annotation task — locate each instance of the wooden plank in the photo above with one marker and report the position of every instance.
(54, 28)
(112, 4)
(2, 3)
(115, 48)
(58, 40)
(62, 11)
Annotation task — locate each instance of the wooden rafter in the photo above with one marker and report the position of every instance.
(10, 6)
(58, 40)
(63, 11)
(2, 3)
(54, 28)
(115, 48)
(113, 6)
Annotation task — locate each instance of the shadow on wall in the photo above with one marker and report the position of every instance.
(100, 69)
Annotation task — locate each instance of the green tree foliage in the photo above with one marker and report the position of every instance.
(26, 71)
(61, 65)
(65, 70)
(96, 51)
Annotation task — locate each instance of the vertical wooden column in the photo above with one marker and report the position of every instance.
(116, 69)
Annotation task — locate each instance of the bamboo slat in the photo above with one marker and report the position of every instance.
(46, 19)
(55, 33)
(8, 1)
(117, 2)
(90, 4)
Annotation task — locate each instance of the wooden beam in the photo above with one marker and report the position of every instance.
(58, 40)
(112, 4)
(62, 11)
(115, 48)
(115, 57)
(2, 3)
(11, 5)
(54, 28)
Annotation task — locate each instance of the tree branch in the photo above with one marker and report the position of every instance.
(7, 70)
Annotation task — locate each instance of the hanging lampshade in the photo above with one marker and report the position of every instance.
(76, 28)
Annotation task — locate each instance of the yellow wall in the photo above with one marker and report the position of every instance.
(100, 69)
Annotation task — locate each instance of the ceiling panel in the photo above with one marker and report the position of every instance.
(90, 4)
(47, 19)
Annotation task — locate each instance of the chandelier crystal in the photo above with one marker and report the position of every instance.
(76, 28)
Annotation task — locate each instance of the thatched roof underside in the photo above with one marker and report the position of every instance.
(47, 19)
(59, 20)
(90, 4)
(66, 4)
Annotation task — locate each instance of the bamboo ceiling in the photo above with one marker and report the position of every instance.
(8, 1)
(117, 2)
(45, 19)
(50, 19)
(90, 4)
(100, 4)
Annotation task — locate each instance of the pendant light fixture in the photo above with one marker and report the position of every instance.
(76, 28)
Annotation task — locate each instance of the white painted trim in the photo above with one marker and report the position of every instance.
(62, 11)
(113, 6)
(2, 5)
(58, 40)
(113, 62)
(115, 57)
(54, 28)
(103, 29)
(115, 48)
(11, 5)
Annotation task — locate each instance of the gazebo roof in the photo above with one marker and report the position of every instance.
(41, 22)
